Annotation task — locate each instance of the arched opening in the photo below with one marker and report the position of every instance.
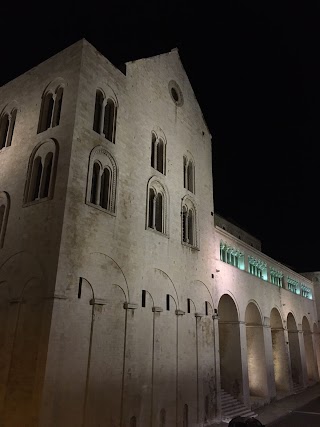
(105, 188)
(280, 357)
(309, 351)
(35, 179)
(4, 128)
(57, 107)
(190, 176)
(257, 371)
(158, 216)
(46, 175)
(109, 120)
(317, 345)
(46, 112)
(160, 156)
(294, 349)
(230, 348)
(98, 111)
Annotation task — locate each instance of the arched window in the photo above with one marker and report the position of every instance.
(188, 223)
(41, 172)
(51, 105)
(7, 123)
(157, 207)
(4, 212)
(102, 180)
(105, 115)
(158, 153)
(188, 173)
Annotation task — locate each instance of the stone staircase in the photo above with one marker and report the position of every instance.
(297, 388)
(231, 408)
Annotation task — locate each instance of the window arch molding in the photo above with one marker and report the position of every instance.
(51, 105)
(105, 113)
(189, 223)
(158, 150)
(4, 213)
(157, 212)
(189, 172)
(41, 173)
(102, 180)
(7, 124)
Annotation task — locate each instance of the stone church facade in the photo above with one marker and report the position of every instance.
(124, 299)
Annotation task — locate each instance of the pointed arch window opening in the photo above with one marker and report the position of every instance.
(155, 214)
(101, 186)
(188, 174)
(7, 124)
(2, 217)
(188, 226)
(41, 178)
(50, 112)
(158, 154)
(105, 114)
(4, 212)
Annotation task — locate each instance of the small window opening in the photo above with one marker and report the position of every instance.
(143, 302)
(206, 307)
(168, 302)
(4, 127)
(98, 112)
(174, 94)
(188, 305)
(79, 287)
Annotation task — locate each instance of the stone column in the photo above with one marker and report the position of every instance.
(271, 387)
(244, 364)
(304, 375)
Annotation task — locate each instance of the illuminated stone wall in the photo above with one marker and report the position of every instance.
(104, 320)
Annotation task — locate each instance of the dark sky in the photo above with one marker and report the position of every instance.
(255, 70)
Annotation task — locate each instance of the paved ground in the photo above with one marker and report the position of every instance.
(291, 410)
(307, 415)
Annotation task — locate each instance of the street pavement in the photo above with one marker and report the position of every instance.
(306, 416)
(298, 410)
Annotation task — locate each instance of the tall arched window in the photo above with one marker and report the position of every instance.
(158, 153)
(188, 173)
(157, 207)
(41, 172)
(102, 180)
(4, 212)
(105, 115)
(50, 107)
(7, 123)
(188, 223)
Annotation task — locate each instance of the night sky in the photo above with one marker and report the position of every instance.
(255, 70)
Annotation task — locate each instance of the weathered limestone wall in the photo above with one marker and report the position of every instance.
(79, 344)
(28, 259)
(144, 362)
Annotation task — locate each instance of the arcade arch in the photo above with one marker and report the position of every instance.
(230, 348)
(255, 352)
(279, 352)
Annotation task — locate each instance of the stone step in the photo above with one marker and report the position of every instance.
(297, 388)
(231, 408)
